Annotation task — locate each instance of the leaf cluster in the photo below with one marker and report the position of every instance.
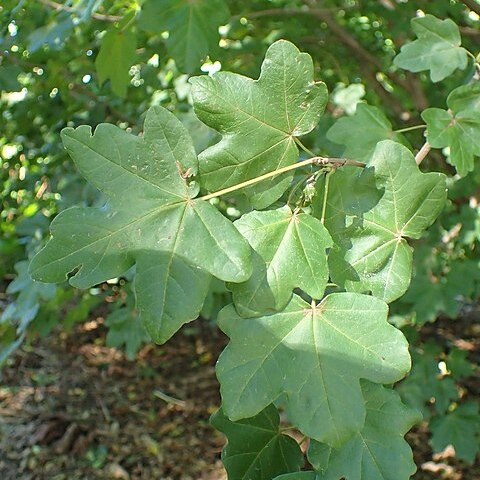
(313, 357)
(316, 251)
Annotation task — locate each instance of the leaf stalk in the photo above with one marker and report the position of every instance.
(315, 161)
(325, 195)
(422, 153)
(408, 129)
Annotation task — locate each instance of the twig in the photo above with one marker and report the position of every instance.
(169, 399)
(278, 12)
(65, 8)
(303, 147)
(408, 129)
(325, 196)
(473, 6)
(469, 31)
(386, 97)
(422, 153)
(317, 161)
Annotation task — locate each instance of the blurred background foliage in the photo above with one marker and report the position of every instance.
(93, 61)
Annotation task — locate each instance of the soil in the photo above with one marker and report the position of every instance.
(71, 408)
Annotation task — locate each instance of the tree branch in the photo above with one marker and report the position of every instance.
(473, 6)
(385, 96)
(469, 31)
(76, 89)
(365, 57)
(65, 8)
(422, 153)
(280, 12)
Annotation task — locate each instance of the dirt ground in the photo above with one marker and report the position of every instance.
(71, 408)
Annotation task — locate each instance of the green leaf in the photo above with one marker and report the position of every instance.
(378, 451)
(299, 476)
(31, 294)
(458, 363)
(9, 78)
(425, 386)
(80, 312)
(361, 132)
(116, 56)
(192, 27)
(315, 356)
(151, 220)
(289, 252)
(125, 329)
(431, 294)
(348, 97)
(437, 48)
(466, 97)
(371, 252)
(461, 429)
(257, 450)
(53, 34)
(258, 120)
(19, 314)
(458, 128)
(9, 343)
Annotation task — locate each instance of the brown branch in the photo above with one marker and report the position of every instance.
(274, 12)
(473, 6)
(418, 95)
(422, 153)
(469, 31)
(321, 14)
(385, 96)
(84, 90)
(348, 40)
(64, 8)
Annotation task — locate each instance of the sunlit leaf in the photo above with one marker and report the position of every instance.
(192, 27)
(258, 120)
(436, 49)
